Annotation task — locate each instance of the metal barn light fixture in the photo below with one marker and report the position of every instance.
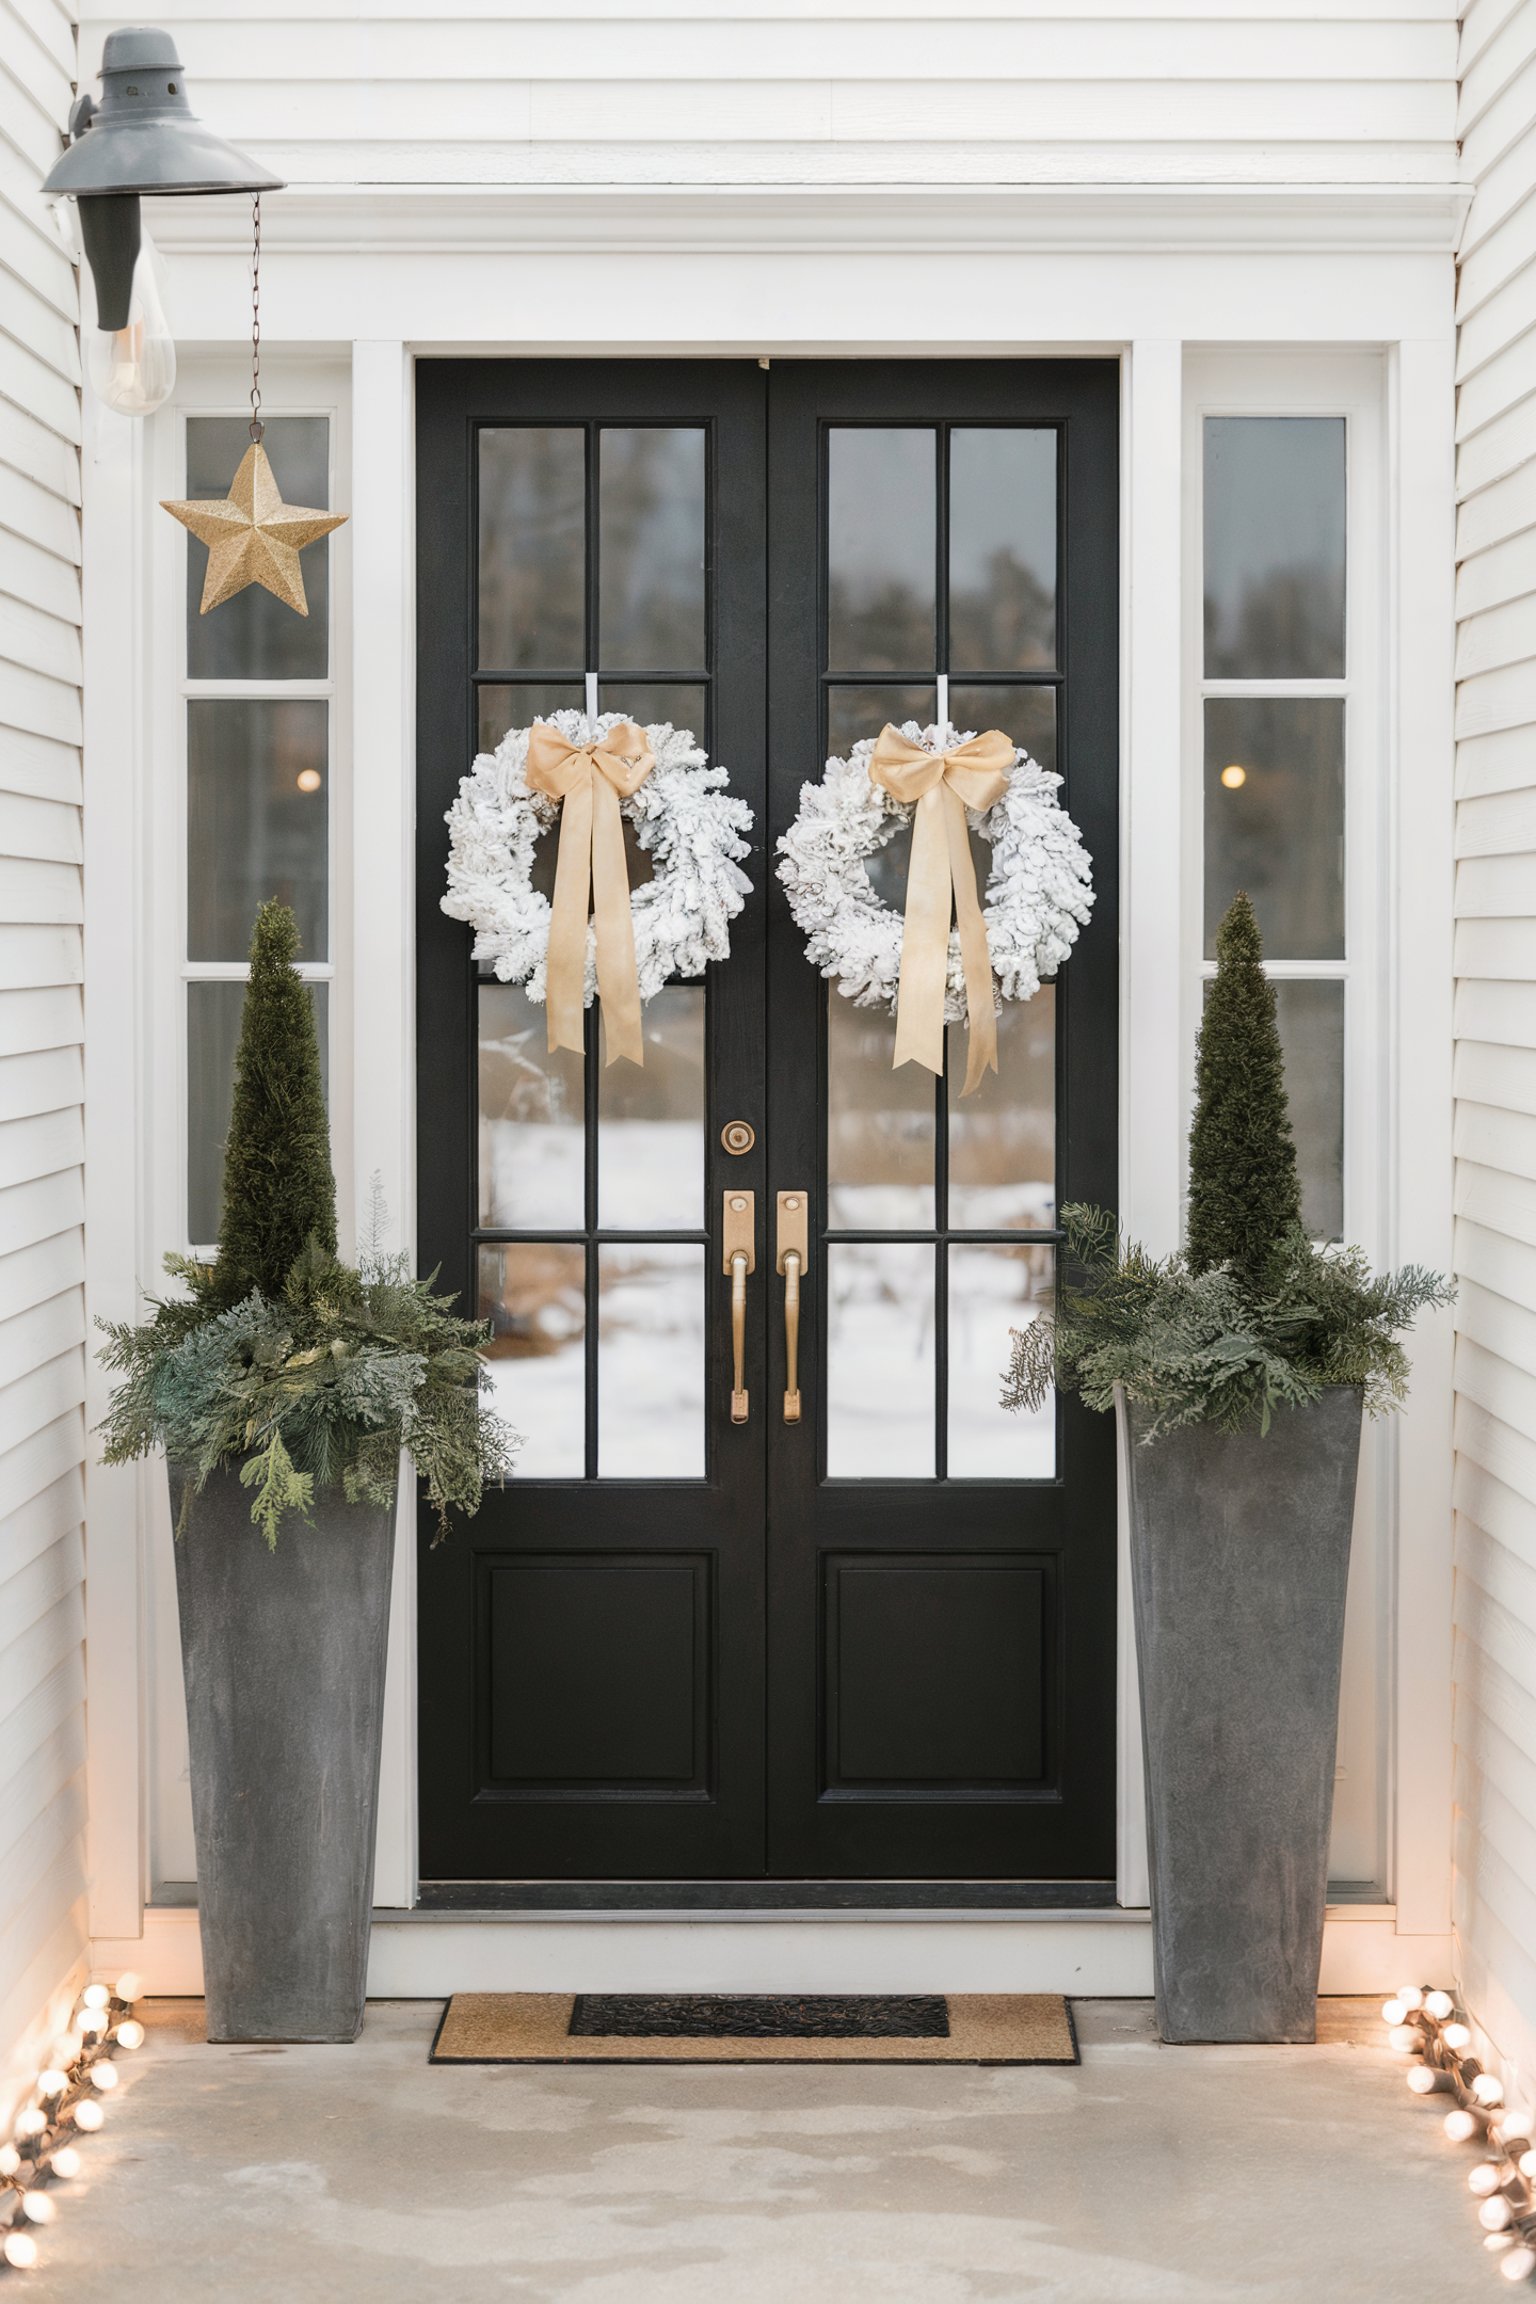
(140, 138)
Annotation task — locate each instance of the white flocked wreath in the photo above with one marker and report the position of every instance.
(687, 823)
(1038, 895)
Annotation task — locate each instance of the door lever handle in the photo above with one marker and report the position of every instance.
(740, 1257)
(792, 1257)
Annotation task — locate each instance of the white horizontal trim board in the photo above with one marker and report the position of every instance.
(827, 44)
(1095, 1954)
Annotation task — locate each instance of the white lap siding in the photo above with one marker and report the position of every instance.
(1495, 1844)
(42, 1320)
(654, 92)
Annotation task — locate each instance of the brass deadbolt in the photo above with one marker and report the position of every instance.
(738, 1136)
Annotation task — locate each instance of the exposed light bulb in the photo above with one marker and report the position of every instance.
(1528, 2163)
(1411, 1997)
(1516, 2120)
(1495, 2215)
(309, 779)
(1488, 2088)
(1483, 2179)
(129, 1985)
(1461, 2124)
(130, 2034)
(37, 2208)
(10, 2159)
(95, 1996)
(88, 2114)
(90, 2024)
(65, 2162)
(20, 2251)
(1234, 776)
(1497, 2242)
(1392, 2011)
(133, 369)
(1457, 2036)
(1519, 2264)
(1439, 2005)
(31, 2122)
(1405, 2039)
(52, 2083)
(103, 2076)
(1424, 2080)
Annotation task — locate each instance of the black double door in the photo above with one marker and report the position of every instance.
(876, 1643)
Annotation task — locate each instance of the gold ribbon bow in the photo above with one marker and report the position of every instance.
(940, 874)
(589, 780)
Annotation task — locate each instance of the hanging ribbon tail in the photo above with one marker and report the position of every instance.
(591, 874)
(925, 939)
(941, 883)
(565, 965)
(618, 985)
(980, 1012)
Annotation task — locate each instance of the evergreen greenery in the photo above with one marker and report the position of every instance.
(279, 1192)
(1244, 1194)
(310, 1375)
(1213, 1347)
(1253, 1316)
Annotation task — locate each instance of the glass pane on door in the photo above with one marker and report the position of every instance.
(598, 1326)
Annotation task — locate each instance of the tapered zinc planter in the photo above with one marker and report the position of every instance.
(283, 1654)
(1239, 1561)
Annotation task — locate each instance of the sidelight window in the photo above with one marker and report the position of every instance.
(258, 701)
(1275, 701)
(593, 594)
(942, 602)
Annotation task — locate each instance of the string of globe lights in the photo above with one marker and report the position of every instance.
(1429, 2028)
(69, 2102)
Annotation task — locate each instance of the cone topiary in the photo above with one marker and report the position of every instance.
(1244, 1190)
(279, 1192)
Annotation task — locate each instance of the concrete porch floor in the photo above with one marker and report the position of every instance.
(1147, 2175)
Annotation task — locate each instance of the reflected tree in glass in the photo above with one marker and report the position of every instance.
(257, 820)
(881, 516)
(651, 548)
(532, 555)
(256, 636)
(1002, 549)
(1274, 547)
(1274, 820)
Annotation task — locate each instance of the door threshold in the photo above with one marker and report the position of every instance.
(466, 1896)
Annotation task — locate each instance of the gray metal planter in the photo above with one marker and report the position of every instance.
(1239, 1563)
(283, 1654)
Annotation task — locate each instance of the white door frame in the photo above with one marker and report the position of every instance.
(821, 275)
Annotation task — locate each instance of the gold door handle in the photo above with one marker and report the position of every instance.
(792, 1255)
(740, 1258)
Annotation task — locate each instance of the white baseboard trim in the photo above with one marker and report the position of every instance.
(1096, 1955)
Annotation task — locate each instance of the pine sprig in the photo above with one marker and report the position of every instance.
(319, 1391)
(1214, 1347)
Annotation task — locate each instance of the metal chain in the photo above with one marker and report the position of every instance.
(257, 427)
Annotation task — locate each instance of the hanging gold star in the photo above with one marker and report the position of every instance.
(252, 536)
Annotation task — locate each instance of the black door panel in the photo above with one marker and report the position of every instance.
(877, 1643)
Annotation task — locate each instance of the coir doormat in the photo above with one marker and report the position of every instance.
(755, 2028)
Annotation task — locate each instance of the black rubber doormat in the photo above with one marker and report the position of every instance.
(755, 2028)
